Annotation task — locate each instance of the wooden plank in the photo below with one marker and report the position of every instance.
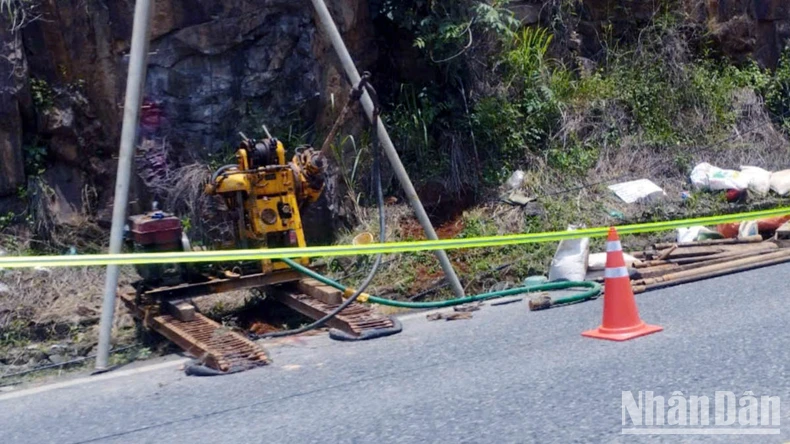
(783, 232)
(324, 293)
(181, 310)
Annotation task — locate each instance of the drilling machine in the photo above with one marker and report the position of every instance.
(265, 195)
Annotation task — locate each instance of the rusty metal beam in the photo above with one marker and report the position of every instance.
(354, 319)
(222, 285)
(307, 306)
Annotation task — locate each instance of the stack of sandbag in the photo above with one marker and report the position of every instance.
(755, 179)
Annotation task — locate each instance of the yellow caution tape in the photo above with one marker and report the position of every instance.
(374, 248)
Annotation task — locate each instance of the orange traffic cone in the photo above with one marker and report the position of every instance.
(621, 320)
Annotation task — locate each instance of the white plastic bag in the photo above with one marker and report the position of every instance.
(747, 229)
(780, 182)
(700, 174)
(720, 180)
(758, 178)
(515, 180)
(597, 261)
(570, 261)
(688, 234)
(707, 176)
(692, 234)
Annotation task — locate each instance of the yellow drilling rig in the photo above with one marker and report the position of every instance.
(265, 195)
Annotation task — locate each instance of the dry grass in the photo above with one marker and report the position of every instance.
(59, 299)
(752, 141)
(182, 192)
(58, 295)
(48, 235)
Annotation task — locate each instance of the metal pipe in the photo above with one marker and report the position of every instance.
(718, 269)
(661, 270)
(709, 257)
(325, 18)
(765, 261)
(138, 61)
(711, 242)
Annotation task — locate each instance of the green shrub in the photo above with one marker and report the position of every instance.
(43, 96)
(777, 92)
(35, 159)
(664, 89)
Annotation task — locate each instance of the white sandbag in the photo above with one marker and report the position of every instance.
(780, 182)
(700, 174)
(720, 180)
(747, 229)
(689, 234)
(698, 233)
(597, 261)
(570, 260)
(758, 178)
(707, 176)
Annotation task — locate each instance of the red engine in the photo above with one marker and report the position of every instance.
(157, 232)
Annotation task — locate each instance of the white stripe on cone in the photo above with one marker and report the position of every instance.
(613, 246)
(618, 272)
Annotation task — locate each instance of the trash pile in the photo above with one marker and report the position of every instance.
(737, 185)
(750, 178)
(698, 252)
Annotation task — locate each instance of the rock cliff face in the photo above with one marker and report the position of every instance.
(748, 28)
(16, 106)
(213, 67)
(218, 67)
(742, 29)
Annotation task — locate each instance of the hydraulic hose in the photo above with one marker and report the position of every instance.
(219, 171)
(593, 292)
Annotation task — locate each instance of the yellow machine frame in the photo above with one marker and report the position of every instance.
(267, 194)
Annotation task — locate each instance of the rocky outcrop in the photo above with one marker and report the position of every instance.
(215, 68)
(256, 65)
(758, 29)
(15, 105)
(742, 29)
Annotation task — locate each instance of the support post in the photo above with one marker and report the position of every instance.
(328, 24)
(138, 61)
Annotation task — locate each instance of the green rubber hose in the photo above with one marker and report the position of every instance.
(593, 292)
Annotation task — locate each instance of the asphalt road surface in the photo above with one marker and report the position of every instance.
(507, 375)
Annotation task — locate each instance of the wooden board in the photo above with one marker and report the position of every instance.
(324, 293)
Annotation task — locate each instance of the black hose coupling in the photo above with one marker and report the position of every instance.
(364, 85)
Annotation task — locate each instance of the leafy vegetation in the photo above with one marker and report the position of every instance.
(35, 159)
(7, 219)
(665, 88)
(43, 95)
(776, 90)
